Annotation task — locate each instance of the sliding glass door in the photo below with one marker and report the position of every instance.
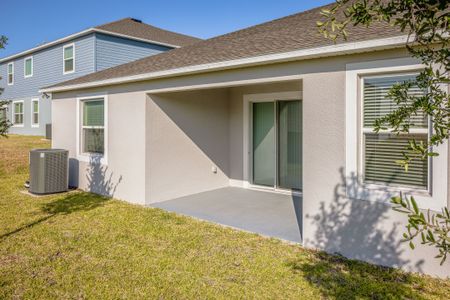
(289, 145)
(264, 151)
(277, 144)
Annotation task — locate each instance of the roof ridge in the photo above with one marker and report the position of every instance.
(130, 26)
(112, 22)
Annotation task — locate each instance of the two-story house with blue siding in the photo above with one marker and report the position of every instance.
(85, 52)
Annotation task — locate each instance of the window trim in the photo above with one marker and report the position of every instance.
(13, 110)
(73, 58)
(35, 125)
(86, 157)
(25, 66)
(437, 196)
(7, 73)
(363, 130)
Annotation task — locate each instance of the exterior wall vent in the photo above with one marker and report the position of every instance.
(49, 171)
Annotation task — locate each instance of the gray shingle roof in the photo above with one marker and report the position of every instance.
(136, 28)
(295, 32)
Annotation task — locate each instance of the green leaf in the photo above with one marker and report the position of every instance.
(396, 200)
(414, 204)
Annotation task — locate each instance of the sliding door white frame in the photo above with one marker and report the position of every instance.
(247, 135)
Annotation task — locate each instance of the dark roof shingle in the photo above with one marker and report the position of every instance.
(136, 28)
(295, 32)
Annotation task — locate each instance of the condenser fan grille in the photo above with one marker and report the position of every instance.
(48, 171)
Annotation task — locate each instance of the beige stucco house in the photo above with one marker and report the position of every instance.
(274, 107)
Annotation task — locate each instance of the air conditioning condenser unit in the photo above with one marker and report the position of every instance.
(49, 171)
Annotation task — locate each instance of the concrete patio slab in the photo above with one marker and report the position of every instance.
(265, 213)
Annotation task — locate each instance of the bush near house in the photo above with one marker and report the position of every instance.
(80, 245)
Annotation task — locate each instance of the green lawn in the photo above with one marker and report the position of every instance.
(79, 245)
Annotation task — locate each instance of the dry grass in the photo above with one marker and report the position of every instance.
(79, 245)
(14, 153)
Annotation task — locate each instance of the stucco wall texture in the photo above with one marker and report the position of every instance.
(164, 145)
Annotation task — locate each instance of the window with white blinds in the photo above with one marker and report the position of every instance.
(382, 150)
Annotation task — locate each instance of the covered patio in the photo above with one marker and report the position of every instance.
(266, 213)
(229, 154)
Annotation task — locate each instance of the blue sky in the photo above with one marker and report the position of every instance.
(29, 23)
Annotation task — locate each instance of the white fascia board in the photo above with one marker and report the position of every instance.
(339, 49)
(81, 33)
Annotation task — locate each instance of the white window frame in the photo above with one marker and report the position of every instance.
(436, 196)
(367, 130)
(35, 125)
(13, 110)
(25, 67)
(7, 73)
(86, 157)
(73, 58)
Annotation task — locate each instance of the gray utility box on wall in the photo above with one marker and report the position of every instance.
(48, 131)
(49, 171)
